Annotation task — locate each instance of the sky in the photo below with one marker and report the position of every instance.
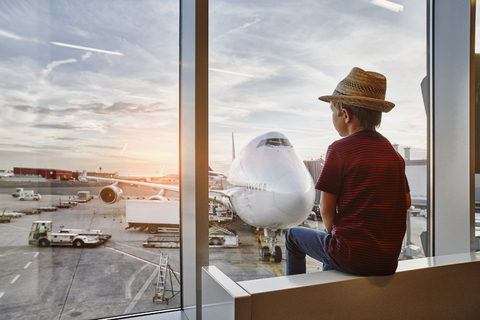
(94, 84)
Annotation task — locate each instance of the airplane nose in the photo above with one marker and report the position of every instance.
(294, 195)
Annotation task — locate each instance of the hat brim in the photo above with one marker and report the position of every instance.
(362, 102)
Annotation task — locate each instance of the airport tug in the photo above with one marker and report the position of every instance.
(77, 238)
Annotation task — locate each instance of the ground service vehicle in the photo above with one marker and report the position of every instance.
(19, 191)
(65, 237)
(84, 196)
(154, 215)
(35, 197)
(162, 219)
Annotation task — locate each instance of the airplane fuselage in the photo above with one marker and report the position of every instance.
(270, 185)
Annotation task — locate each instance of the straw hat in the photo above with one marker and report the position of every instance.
(365, 89)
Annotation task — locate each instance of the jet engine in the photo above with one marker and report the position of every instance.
(110, 194)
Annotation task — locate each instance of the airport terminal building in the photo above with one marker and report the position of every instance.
(54, 174)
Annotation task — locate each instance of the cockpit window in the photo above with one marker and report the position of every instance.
(274, 142)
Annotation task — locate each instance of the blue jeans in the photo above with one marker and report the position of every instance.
(300, 241)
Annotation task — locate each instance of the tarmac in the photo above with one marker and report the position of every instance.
(118, 277)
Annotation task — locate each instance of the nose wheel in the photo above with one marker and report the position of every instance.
(266, 254)
(277, 254)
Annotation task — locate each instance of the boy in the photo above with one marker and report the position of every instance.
(365, 193)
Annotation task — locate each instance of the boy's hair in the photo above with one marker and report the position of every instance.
(369, 119)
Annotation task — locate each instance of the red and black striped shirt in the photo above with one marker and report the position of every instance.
(368, 177)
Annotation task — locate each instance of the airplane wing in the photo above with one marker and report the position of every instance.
(145, 184)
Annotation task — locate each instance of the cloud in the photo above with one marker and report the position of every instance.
(248, 24)
(103, 147)
(86, 56)
(45, 72)
(6, 34)
(58, 126)
(65, 138)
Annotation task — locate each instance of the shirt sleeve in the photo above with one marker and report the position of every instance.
(330, 179)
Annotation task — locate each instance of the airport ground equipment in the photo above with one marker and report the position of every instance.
(168, 239)
(29, 195)
(19, 191)
(4, 218)
(409, 249)
(219, 235)
(52, 208)
(164, 269)
(84, 196)
(65, 237)
(157, 216)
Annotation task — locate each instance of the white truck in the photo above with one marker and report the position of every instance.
(162, 220)
(65, 237)
(19, 191)
(155, 215)
(35, 197)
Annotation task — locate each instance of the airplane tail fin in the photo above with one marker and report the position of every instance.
(84, 174)
(233, 147)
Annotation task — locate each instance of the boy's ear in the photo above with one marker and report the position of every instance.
(347, 115)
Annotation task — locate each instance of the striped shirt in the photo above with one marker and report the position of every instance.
(368, 177)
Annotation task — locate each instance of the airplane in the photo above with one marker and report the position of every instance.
(6, 173)
(268, 186)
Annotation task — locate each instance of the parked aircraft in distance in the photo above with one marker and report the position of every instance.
(6, 173)
(268, 186)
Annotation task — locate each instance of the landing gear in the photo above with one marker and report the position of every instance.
(266, 254)
(278, 254)
(271, 250)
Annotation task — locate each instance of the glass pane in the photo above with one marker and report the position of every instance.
(269, 62)
(88, 85)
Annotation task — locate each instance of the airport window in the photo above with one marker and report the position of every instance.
(88, 86)
(284, 66)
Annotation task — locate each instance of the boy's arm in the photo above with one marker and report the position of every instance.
(328, 208)
(409, 200)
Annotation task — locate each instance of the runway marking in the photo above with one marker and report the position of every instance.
(277, 270)
(12, 225)
(128, 287)
(36, 253)
(15, 279)
(1, 294)
(26, 266)
(274, 265)
(132, 256)
(138, 258)
(139, 294)
(136, 248)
